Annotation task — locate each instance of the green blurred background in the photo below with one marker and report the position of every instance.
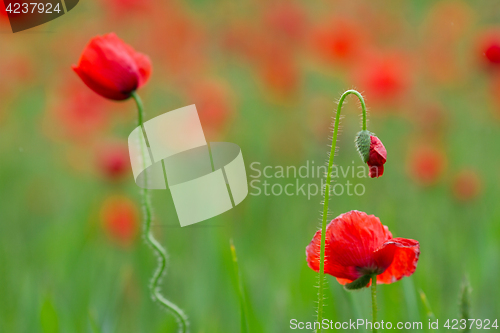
(265, 75)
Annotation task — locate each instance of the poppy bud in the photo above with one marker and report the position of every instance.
(377, 158)
(363, 144)
(372, 152)
(112, 68)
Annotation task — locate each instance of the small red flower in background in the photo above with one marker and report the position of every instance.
(384, 79)
(445, 27)
(77, 113)
(337, 41)
(213, 102)
(16, 71)
(357, 244)
(279, 71)
(113, 160)
(494, 90)
(118, 8)
(426, 164)
(183, 42)
(378, 157)
(112, 68)
(286, 20)
(489, 47)
(430, 119)
(467, 185)
(119, 216)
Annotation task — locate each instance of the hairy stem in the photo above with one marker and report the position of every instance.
(160, 252)
(374, 301)
(327, 196)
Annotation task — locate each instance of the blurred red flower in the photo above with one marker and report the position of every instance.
(444, 30)
(494, 89)
(119, 216)
(178, 39)
(384, 79)
(378, 157)
(77, 113)
(279, 71)
(286, 20)
(467, 185)
(113, 160)
(357, 244)
(213, 102)
(489, 47)
(112, 68)
(3, 12)
(337, 41)
(118, 8)
(426, 164)
(17, 71)
(430, 119)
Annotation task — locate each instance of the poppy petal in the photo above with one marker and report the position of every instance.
(400, 256)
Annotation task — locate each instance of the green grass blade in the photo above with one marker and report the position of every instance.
(49, 320)
(93, 325)
(464, 303)
(427, 306)
(241, 292)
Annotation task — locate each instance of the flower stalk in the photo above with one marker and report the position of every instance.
(160, 252)
(321, 286)
(374, 301)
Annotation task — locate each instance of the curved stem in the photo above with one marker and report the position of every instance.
(374, 301)
(327, 195)
(160, 252)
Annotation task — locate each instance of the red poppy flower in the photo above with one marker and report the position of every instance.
(494, 94)
(112, 68)
(113, 160)
(467, 185)
(213, 102)
(357, 245)
(489, 47)
(183, 45)
(69, 115)
(120, 219)
(377, 158)
(279, 71)
(426, 164)
(443, 30)
(431, 119)
(385, 78)
(286, 20)
(337, 41)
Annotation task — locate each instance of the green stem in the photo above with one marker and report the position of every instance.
(160, 252)
(327, 195)
(374, 301)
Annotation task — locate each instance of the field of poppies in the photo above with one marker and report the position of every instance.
(412, 186)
